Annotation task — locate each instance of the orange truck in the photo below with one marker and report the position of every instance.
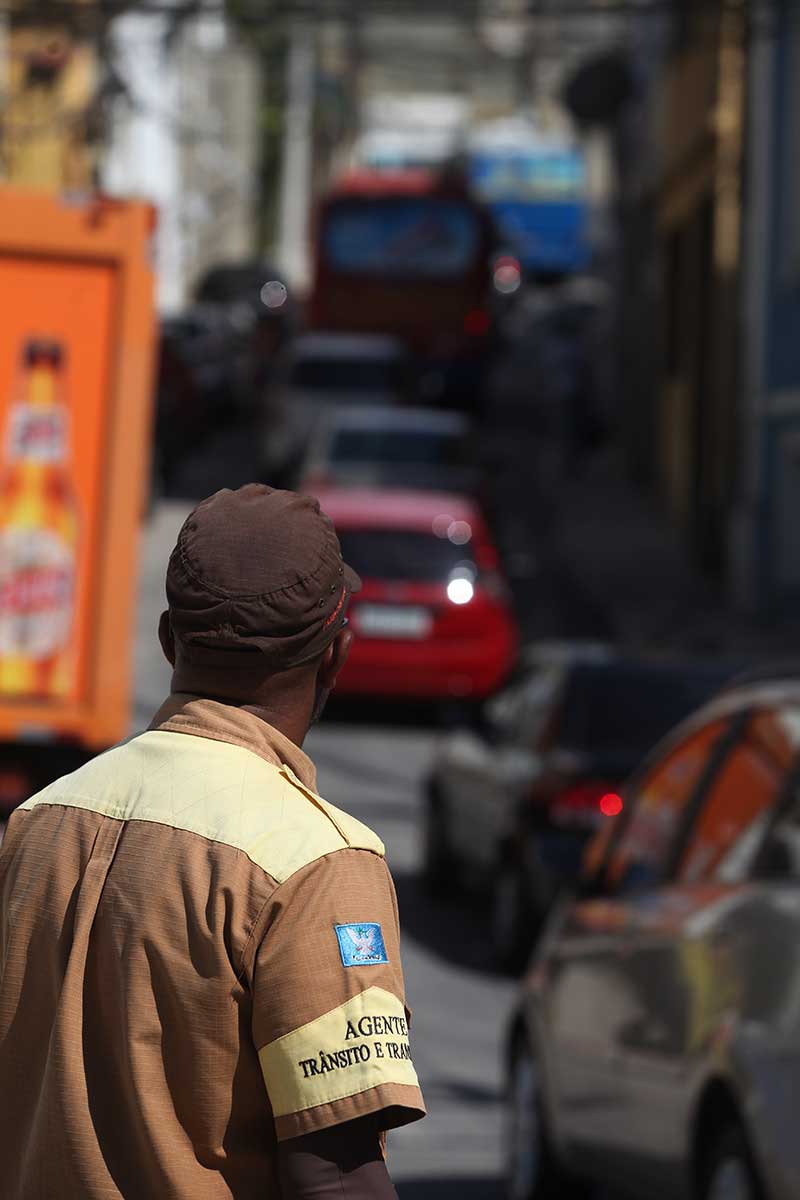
(77, 345)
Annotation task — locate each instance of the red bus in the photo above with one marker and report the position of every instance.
(409, 253)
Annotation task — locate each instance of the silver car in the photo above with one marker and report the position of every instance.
(319, 372)
(656, 1043)
(371, 445)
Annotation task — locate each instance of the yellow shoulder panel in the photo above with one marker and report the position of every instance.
(221, 792)
(355, 833)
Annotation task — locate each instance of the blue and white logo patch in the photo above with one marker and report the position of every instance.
(361, 945)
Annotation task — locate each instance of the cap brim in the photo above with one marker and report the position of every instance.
(352, 580)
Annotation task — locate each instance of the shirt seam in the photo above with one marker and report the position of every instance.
(194, 730)
(116, 815)
(282, 883)
(195, 727)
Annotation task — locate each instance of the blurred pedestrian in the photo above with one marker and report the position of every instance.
(200, 984)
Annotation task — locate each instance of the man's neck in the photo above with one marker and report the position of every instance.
(289, 724)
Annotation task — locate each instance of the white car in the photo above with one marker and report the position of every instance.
(655, 1045)
(320, 372)
(381, 446)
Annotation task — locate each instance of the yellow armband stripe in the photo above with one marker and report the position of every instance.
(359, 1045)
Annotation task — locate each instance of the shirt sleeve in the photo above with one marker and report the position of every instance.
(329, 1016)
(342, 1163)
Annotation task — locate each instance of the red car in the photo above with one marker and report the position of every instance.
(433, 619)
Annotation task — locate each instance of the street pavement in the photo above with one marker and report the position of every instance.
(375, 771)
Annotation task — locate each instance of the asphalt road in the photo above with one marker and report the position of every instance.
(374, 771)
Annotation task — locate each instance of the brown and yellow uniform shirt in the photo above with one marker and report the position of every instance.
(198, 957)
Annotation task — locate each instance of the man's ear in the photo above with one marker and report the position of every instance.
(167, 639)
(334, 658)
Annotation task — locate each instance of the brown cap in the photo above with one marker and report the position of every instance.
(257, 570)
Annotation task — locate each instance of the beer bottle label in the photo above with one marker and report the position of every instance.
(37, 583)
(37, 434)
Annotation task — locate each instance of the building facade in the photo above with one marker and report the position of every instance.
(767, 517)
(183, 133)
(699, 220)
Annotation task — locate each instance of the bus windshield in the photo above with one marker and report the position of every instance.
(529, 177)
(401, 236)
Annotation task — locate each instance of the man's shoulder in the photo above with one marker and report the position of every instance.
(215, 790)
(355, 834)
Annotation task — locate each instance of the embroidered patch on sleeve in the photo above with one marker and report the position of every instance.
(361, 945)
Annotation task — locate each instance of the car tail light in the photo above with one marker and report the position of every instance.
(588, 800)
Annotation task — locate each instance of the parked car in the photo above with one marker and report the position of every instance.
(257, 300)
(433, 619)
(511, 806)
(386, 446)
(656, 1042)
(317, 373)
(200, 371)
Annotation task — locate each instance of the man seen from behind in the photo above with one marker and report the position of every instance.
(201, 994)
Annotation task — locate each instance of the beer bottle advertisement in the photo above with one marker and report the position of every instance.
(39, 529)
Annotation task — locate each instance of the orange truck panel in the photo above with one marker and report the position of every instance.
(76, 374)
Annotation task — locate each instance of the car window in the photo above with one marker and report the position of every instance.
(395, 554)
(728, 841)
(656, 806)
(503, 712)
(730, 824)
(535, 711)
(343, 374)
(397, 446)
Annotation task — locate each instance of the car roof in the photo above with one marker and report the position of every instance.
(562, 653)
(348, 345)
(390, 416)
(766, 693)
(390, 508)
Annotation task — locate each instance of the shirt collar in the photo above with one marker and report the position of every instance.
(184, 713)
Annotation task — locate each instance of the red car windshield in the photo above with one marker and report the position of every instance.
(401, 237)
(407, 555)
